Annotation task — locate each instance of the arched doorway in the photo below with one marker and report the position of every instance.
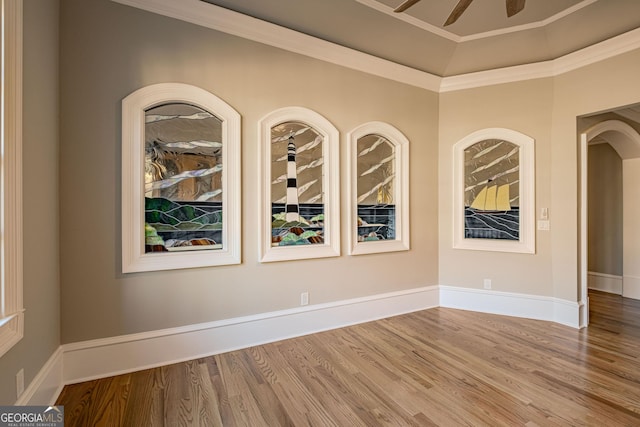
(625, 140)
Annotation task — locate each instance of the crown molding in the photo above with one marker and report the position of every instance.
(439, 31)
(590, 55)
(234, 23)
(376, 5)
(615, 46)
(517, 73)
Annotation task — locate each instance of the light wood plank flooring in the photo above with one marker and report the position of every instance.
(440, 367)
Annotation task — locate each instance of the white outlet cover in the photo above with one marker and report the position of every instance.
(543, 225)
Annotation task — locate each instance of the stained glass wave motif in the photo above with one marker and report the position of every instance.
(182, 226)
(307, 231)
(492, 225)
(182, 176)
(376, 222)
(303, 232)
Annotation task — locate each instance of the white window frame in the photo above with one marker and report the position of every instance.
(134, 258)
(11, 303)
(331, 186)
(400, 190)
(527, 240)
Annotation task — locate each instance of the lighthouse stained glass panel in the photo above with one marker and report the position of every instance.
(297, 205)
(492, 190)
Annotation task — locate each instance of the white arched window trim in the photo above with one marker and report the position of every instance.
(526, 243)
(331, 186)
(401, 189)
(134, 106)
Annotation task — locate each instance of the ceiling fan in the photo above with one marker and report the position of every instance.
(513, 7)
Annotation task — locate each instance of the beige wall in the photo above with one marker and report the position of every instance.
(598, 87)
(110, 50)
(547, 110)
(605, 210)
(40, 199)
(524, 107)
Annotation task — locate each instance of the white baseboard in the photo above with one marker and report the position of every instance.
(604, 282)
(48, 383)
(511, 304)
(87, 360)
(631, 287)
(111, 356)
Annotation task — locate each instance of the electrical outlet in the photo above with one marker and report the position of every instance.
(487, 283)
(304, 298)
(19, 383)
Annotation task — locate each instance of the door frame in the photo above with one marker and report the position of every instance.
(619, 135)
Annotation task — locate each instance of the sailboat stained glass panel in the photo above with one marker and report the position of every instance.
(491, 190)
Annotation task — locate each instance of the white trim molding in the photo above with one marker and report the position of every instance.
(100, 358)
(234, 23)
(620, 135)
(511, 304)
(377, 5)
(626, 141)
(11, 262)
(47, 384)
(220, 19)
(111, 356)
(604, 282)
(134, 106)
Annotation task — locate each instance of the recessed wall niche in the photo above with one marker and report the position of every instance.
(299, 199)
(379, 189)
(494, 191)
(180, 179)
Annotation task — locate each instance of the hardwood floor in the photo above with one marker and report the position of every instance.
(440, 367)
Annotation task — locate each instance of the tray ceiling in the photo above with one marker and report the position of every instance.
(482, 39)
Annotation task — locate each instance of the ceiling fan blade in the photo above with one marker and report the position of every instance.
(457, 11)
(406, 5)
(514, 6)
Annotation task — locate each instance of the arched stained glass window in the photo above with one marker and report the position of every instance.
(181, 179)
(494, 204)
(299, 161)
(379, 174)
